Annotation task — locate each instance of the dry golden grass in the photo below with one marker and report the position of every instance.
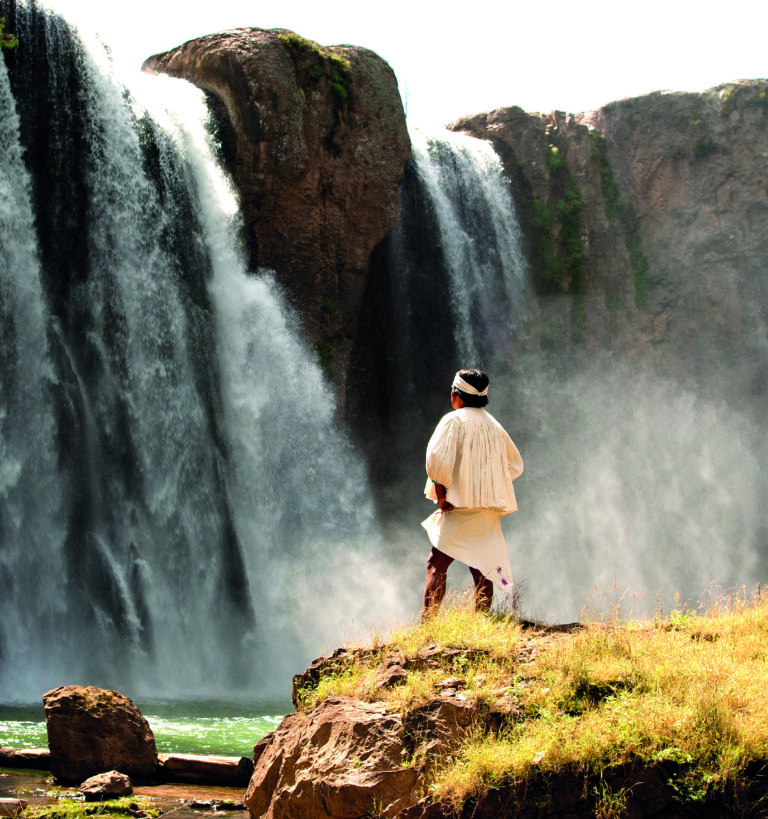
(690, 689)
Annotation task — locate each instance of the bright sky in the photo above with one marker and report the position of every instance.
(455, 59)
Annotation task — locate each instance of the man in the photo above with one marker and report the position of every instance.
(471, 464)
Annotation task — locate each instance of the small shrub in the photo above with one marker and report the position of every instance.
(704, 147)
(6, 40)
(326, 354)
(555, 160)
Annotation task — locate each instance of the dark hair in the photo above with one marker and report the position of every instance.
(479, 380)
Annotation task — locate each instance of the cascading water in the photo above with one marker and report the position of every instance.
(450, 288)
(479, 238)
(31, 495)
(174, 493)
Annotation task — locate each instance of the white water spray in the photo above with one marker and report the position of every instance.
(210, 529)
(300, 493)
(30, 498)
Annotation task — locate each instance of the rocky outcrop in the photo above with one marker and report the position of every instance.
(317, 144)
(347, 758)
(92, 730)
(649, 213)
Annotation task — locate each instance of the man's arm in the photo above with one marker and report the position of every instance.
(444, 504)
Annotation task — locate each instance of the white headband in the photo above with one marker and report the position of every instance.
(462, 385)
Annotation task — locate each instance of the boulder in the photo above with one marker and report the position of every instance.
(317, 142)
(92, 730)
(344, 758)
(109, 785)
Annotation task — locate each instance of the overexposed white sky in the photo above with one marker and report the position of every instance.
(464, 58)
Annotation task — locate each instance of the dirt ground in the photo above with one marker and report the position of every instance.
(37, 788)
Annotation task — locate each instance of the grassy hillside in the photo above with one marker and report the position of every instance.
(687, 693)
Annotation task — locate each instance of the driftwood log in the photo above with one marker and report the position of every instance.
(192, 768)
(206, 770)
(37, 759)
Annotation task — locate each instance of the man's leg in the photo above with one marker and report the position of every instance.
(434, 588)
(483, 590)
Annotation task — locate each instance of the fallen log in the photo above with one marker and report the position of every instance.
(205, 770)
(38, 759)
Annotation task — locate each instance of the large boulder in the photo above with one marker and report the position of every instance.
(345, 759)
(318, 144)
(92, 730)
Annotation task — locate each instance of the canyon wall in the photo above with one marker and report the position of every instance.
(316, 141)
(645, 222)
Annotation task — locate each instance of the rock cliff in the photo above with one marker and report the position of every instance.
(649, 213)
(317, 143)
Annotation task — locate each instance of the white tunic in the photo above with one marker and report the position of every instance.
(472, 455)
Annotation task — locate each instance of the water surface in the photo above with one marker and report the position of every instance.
(199, 727)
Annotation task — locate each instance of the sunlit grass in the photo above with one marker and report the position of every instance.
(689, 689)
(127, 806)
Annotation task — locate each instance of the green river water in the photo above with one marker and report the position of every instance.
(200, 727)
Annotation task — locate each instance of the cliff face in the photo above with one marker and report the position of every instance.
(646, 226)
(317, 143)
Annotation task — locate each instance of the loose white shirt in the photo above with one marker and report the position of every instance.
(474, 458)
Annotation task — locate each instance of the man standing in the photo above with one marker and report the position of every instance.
(471, 464)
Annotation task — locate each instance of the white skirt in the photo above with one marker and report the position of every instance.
(474, 537)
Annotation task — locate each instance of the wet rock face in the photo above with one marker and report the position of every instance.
(91, 730)
(648, 214)
(318, 143)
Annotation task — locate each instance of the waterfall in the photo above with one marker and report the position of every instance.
(479, 239)
(449, 290)
(31, 496)
(176, 501)
(180, 513)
